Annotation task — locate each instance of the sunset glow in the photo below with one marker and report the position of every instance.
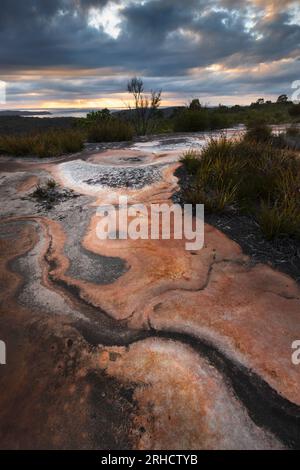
(80, 54)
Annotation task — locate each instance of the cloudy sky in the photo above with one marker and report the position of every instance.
(80, 53)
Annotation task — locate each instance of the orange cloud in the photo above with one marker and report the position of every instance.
(273, 7)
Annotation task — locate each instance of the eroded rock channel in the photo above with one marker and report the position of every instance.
(116, 344)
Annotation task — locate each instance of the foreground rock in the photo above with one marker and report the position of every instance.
(136, 344)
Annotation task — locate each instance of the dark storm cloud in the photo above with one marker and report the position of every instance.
(157, 38)
(38, 34)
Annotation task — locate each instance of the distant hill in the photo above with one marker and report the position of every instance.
(22, 124)
(24, 113)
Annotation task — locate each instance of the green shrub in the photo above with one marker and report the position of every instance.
(191, 121)
(258, 131)
(218, 120)
(102, 115)
(112, 130)
(202, 119)
(279, 219)
(254, 177)
(215, 199)
(46, 144)
(191, 161)
(217, 175)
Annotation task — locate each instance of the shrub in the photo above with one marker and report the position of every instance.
(258, 131)
(217, 175)
(102, 115)
(46, 144)
(218, 121)
(112, 130)
(254, 177)
(195, 104)
(200, 119)
(47, 194)
(293, 131)
(191, 121)
(40, 192)
(279, 219)
(294, 111)
(191, 161)
(51, 184)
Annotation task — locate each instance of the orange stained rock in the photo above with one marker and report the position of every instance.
(253, 314)
(183, 402)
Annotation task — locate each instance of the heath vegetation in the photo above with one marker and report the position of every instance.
(50, 143)
(250, 176)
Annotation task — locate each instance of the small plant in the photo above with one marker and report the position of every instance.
(40, 192)
(46, 191)
(50, 193)
(51, 184)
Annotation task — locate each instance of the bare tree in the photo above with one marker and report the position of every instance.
(145, 106)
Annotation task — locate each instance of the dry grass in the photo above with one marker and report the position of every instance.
(46, 144)
(111, 130)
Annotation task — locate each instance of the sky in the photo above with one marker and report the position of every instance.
(81, 53)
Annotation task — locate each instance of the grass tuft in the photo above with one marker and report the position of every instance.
(250, 176)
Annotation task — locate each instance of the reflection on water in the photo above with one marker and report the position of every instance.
(182, 142)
